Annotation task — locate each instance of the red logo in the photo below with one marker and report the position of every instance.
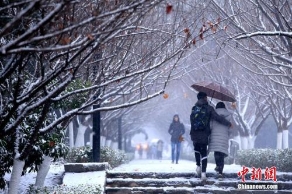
(256, 173)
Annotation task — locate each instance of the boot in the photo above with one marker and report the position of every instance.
(198, 170)
(203, 177)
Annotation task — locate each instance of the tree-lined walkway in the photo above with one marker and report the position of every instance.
(160, 176)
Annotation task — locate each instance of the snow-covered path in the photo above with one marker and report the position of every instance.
(167, 166)
(99, 177)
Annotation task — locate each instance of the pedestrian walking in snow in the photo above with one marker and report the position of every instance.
(140, 151)
(219, 139)
(200, 118)
(159, 149)
(176, 129)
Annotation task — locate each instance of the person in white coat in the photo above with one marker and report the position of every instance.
(219, 138)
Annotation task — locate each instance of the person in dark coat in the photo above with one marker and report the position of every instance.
(200, 138)
(176, 129)
(219, 139)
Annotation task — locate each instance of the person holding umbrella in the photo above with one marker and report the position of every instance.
(200, 130)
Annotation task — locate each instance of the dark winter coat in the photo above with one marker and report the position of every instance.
(202, 136)
(220, 134)
(176, 129)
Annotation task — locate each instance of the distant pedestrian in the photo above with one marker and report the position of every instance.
(219, 139)
(176, 129)
(159, 149)
(140, 151)
(200, 135)
(153, 151)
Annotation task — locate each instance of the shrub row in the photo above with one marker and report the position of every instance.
(84, 154)
(262, 158)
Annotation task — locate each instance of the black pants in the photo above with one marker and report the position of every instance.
(219, 159)
(201, 155)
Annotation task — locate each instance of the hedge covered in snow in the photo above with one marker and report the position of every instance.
(262, 158)
(84, 154)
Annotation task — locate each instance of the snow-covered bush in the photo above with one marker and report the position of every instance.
(79, 155)
(84, 154)
(113, 157)
(64, 189)
(262, 158)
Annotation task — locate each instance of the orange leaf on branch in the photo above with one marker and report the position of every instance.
(165, 96)
(65, 40)
(202, 30)
(90, 36)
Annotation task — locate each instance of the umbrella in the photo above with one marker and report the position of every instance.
(214, 90)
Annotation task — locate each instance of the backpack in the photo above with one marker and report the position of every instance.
(199, 118)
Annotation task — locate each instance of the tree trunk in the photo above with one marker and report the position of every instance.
(43, 171)
(15, 176)
(285, 139)
(238, 140)
(108, 143)
(114, 145)
(80, 135)
(91, 139)
(279, 138)
(244, 142)
(251, 141)
(102, 140)
(71, 134)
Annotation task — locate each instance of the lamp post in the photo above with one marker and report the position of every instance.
(96, 117)
(96, 134)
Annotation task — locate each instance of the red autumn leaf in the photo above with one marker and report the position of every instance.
(168, 9)
(65, 40)
(201, 36)
(51, 143)
(202, 30)
(214, 29)
(187, 30)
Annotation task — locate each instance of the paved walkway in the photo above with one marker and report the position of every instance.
(166, 166)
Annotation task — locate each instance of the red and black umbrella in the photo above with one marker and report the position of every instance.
(214, 90)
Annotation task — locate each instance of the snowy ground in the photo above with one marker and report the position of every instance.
(167, 166)
(70, 179)
(73, 179)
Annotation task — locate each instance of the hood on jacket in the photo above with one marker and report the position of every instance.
(176, 115)
(223, 111)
